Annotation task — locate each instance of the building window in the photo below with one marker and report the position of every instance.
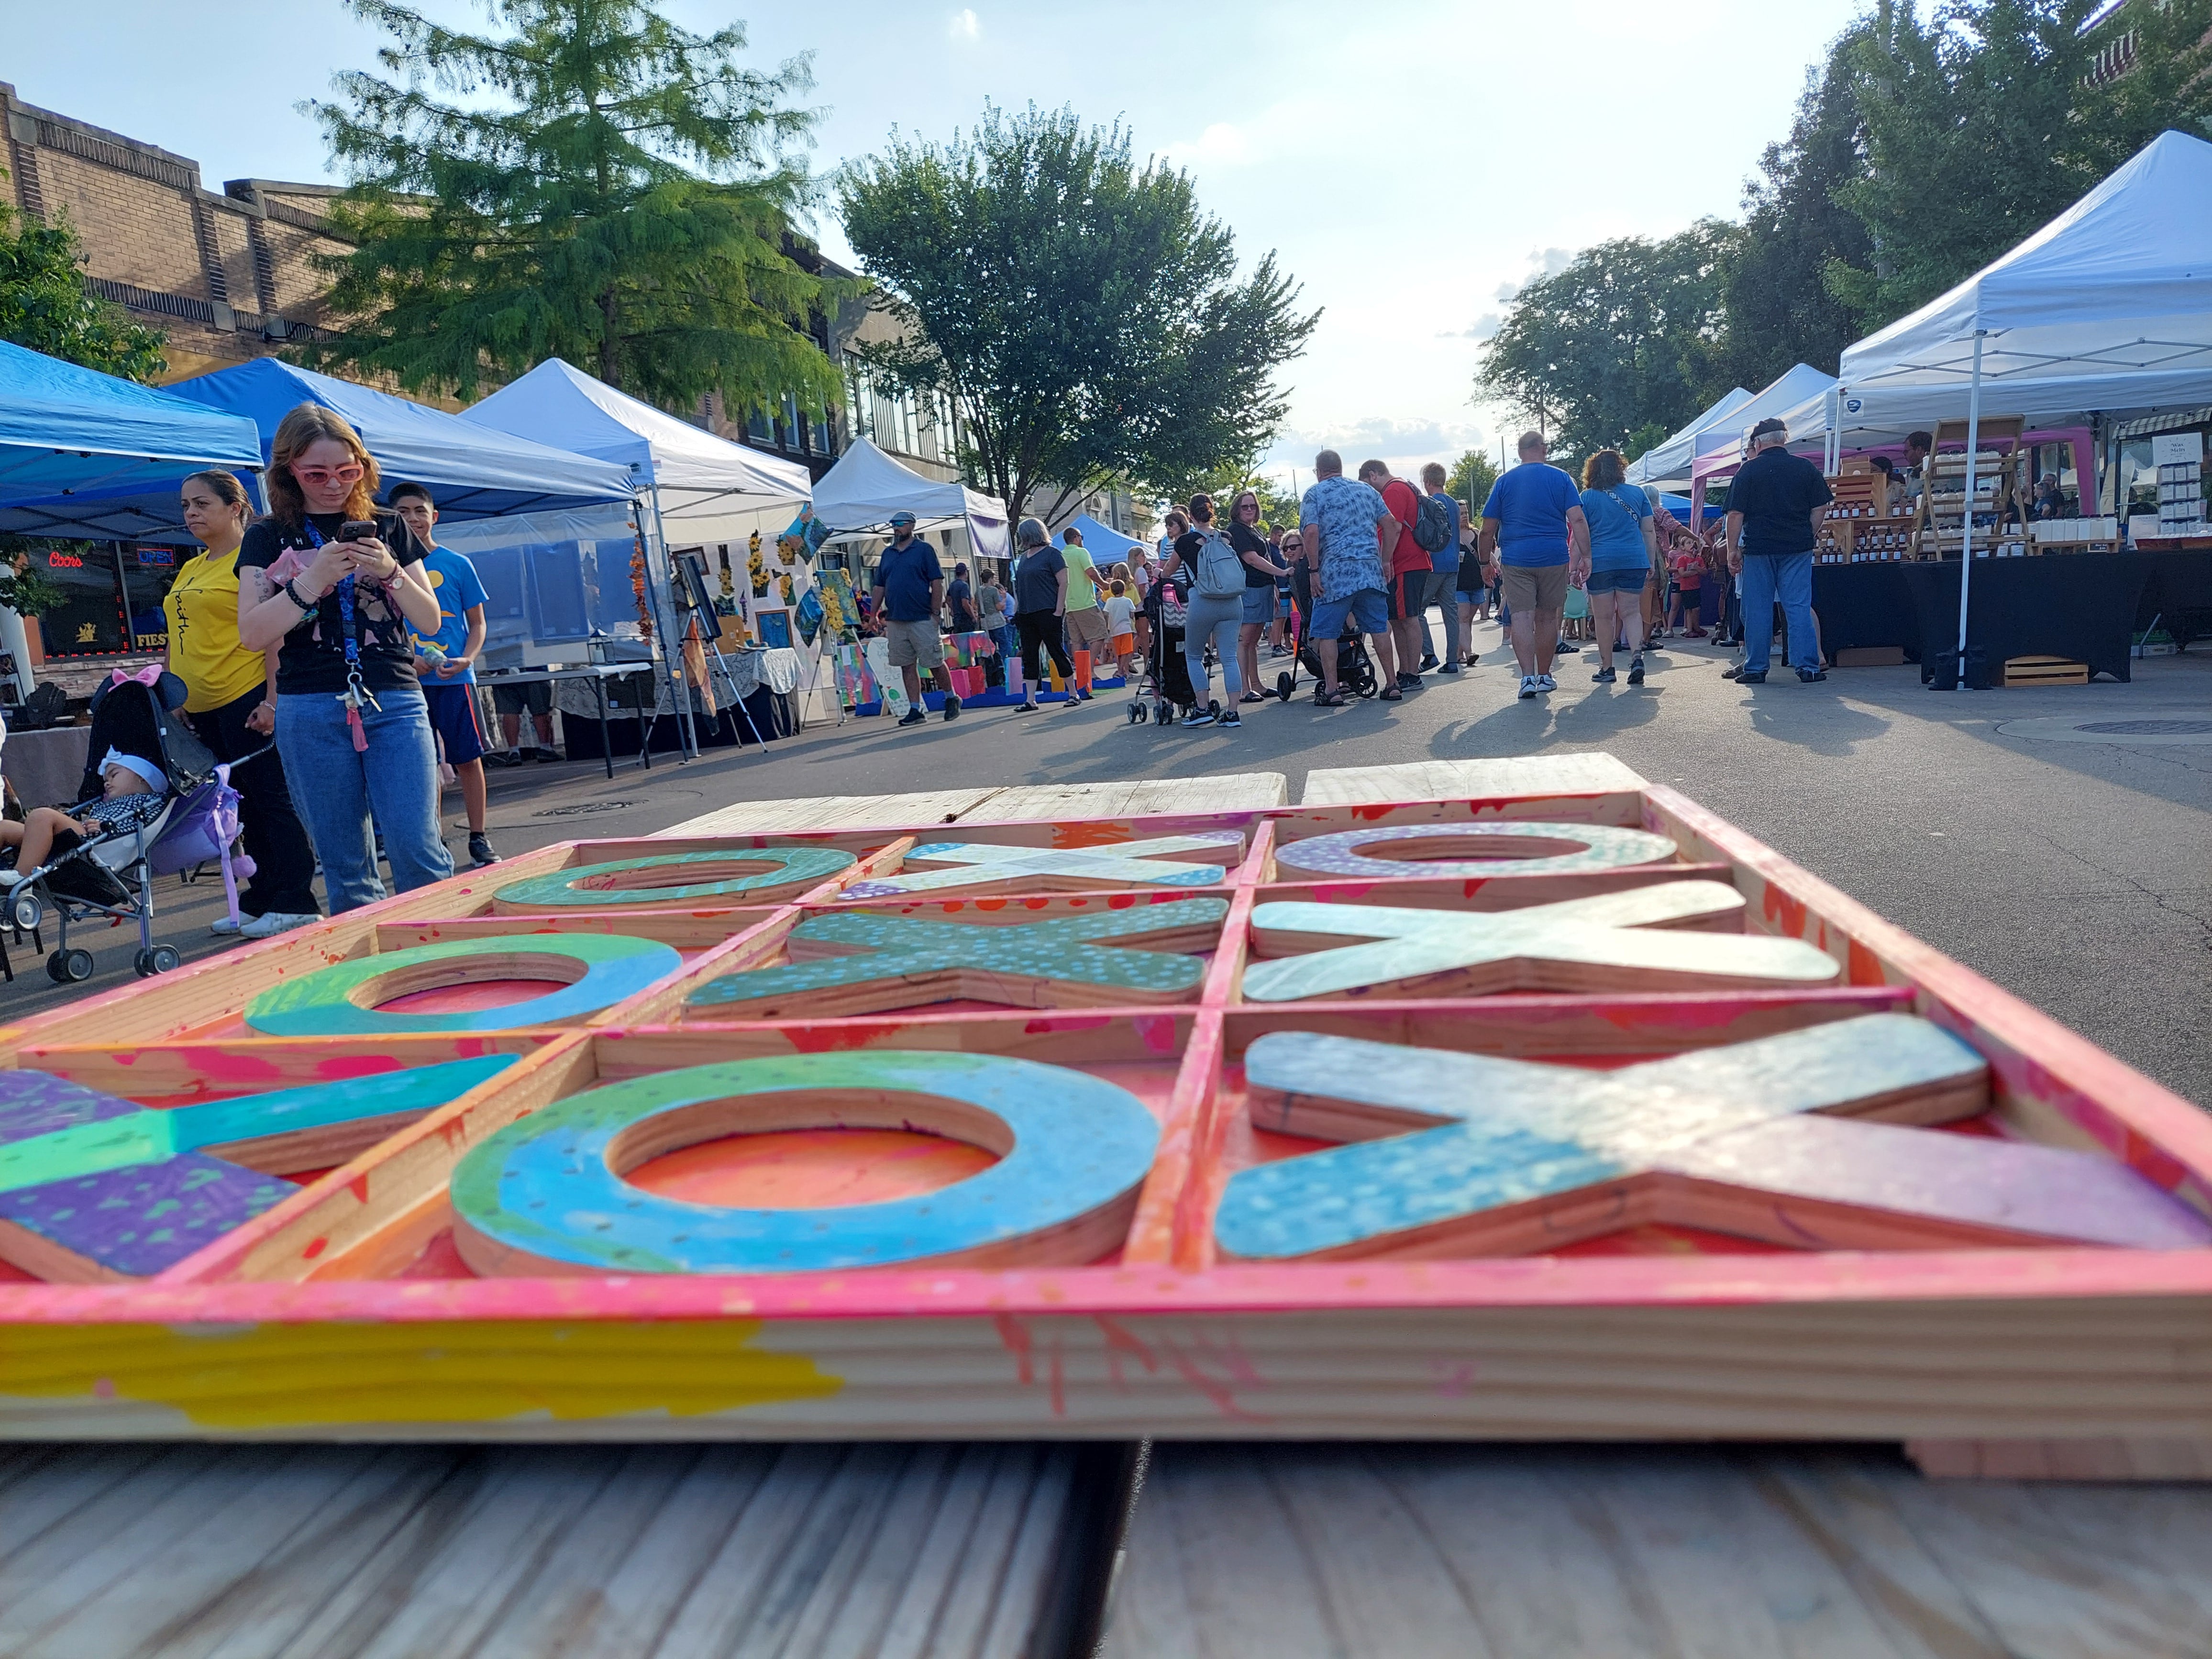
(822, 431)
(758, 427)
(792, 439)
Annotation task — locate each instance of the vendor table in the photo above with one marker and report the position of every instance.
(764, 680)
(594, 674)
(1861, 606)
(47, 766)
(2081, 606)
(2178, 596)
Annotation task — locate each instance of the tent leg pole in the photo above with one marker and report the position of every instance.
(662, 599)
(1967, 517)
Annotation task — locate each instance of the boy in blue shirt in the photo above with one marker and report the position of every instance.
(445, 661)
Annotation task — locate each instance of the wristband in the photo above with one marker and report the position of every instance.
(292, 592)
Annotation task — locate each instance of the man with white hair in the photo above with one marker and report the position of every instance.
(1775, 507)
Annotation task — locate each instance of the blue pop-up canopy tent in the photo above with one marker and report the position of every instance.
(1105, 544)
(475, 471)
(85, 454)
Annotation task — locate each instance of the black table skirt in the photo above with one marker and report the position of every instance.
(774, 713)
(2178, 596)
(2078, 606)
(1865, 604)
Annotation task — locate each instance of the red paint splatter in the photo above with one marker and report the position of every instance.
(1156, 1032)
(1863, 967)
(990, 904)
(346, 1066)
(125, 1059)
(833, 1039)
(359, 1187)
(1014, 1336)
(1223, 1396)
(1373, 813)
(1787, 913)
(1034, 904)
(1120, 900)
(315, 1248)
(1120, 1341)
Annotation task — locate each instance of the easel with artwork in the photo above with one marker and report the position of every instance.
(1559, 1110)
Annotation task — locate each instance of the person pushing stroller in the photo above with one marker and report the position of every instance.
(133, 791)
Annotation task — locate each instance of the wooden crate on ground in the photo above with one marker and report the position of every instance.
(2045, 671)
(1544, 1105)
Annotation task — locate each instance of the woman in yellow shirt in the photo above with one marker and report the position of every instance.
(230, 700)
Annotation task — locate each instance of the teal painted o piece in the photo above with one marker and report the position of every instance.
(322, 1004)
(544, 1186)
(564, 888)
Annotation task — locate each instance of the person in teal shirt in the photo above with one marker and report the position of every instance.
(1624, 550)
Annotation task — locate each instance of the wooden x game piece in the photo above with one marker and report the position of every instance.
(952, 864)
(1456, 851)
(1076, 960)
(1531, 1157)
(1606, 943)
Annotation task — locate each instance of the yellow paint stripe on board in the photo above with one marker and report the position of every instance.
(276, 1377)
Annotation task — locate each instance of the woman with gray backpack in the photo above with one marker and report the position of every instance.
(1216, 573)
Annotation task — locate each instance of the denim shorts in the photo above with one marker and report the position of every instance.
(1631, 580)
(1368, 607)
(1259, 605)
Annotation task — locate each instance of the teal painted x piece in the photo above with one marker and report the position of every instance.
(898, 962)
(1465, 1138)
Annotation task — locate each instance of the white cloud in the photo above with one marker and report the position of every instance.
(1484, 327)
(964, 25)
(1380, 436)
(1224, 144)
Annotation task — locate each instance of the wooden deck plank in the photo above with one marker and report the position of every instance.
(646, 1551)
(1231, 791)
(752, 818)
(1691, 1552)
(1467, 780)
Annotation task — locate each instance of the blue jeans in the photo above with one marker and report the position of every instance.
(396, 778)
(1218, 619)
(1788, 577)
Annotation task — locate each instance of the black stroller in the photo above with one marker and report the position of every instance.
(1167, 688)
(111, 876)
(1355, 669)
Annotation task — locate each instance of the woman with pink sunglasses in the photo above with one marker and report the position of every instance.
(336, 585)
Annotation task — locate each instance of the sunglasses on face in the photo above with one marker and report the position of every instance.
(320, 476)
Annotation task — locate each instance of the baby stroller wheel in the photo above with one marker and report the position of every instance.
(158, 960)
(26, 912)
(1283, 685)
(67, 967)
(1138, 713)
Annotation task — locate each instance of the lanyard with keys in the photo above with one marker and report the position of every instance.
(356, 692)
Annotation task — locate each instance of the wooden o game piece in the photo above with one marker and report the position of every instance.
(1609, 942)
(1531, 1157)
(1065, 963)
(342, 1000)
(93, 1187)
(1462, 850)
(954, 864)
(545, 1195)
(784, 872)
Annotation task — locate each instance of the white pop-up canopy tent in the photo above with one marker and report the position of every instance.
(1718, 446)
(867, 486)
(701, 482)
(2107, 308)
(1668, 461)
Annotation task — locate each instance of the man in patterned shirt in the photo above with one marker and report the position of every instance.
(1339, 517)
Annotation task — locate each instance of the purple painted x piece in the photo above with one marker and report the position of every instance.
(38, 1103)
(143, 1221)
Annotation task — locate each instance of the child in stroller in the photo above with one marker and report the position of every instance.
(133, 792)
(1166, 690)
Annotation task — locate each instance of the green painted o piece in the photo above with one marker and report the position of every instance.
(808, 863)
(321, 1003)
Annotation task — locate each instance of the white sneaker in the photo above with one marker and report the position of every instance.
(1545, 683)
(225, 925)
(1528, 687)
(11, 878)
(273, 922)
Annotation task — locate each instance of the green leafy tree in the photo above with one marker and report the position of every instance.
(1081, 312)
(595, 183)
(1625, 338)
(44, 303)
(1472, 476)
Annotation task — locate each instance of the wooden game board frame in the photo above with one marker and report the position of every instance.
(1958, 1352)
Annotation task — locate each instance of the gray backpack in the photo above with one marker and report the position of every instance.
(1220, 572)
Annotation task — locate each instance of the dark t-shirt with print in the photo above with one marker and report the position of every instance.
(312, 656)
(1037, 579)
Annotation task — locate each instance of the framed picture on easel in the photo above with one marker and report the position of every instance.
(774, 627)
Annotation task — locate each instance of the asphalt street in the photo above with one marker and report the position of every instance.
(2077, 873)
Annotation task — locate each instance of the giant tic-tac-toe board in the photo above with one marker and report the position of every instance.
(1559, 1113)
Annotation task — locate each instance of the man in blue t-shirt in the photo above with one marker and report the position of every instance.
(445, 661)
(1534, 537)
(1775, 506)
(909, 593)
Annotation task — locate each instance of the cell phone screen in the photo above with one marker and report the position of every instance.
(357, 530)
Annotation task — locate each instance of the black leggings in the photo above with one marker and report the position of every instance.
(1042, 629)
(283, 879)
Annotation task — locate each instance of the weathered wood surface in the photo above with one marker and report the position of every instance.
(650, 1552)
(1241, 1552)
(1467, 780)
(1236, 792)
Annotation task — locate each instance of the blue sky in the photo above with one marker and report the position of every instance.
(1411, 161)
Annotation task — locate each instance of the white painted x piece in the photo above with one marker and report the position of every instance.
(1611, 942)
(1055, 869)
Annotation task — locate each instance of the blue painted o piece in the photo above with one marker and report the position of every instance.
(543, 1193)
(320, 1003)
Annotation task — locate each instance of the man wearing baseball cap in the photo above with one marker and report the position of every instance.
(1775, 507)
(909, 593)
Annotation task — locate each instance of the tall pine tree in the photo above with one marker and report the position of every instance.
(621, 199)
